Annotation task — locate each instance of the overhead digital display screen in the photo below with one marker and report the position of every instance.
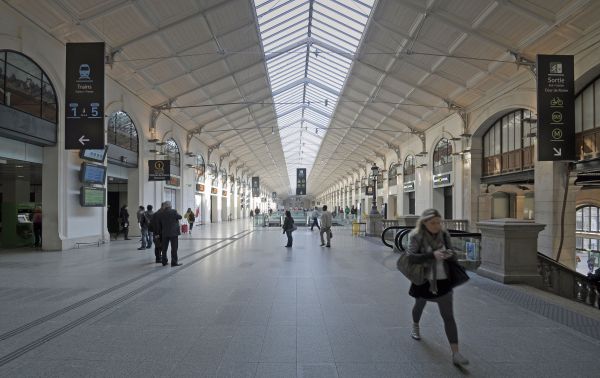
(92, 197)
(94, 155)
(92, 173)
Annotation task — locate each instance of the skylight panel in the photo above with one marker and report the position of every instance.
(307, 74)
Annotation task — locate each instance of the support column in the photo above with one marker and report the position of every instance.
(509, 251)
(13, 233)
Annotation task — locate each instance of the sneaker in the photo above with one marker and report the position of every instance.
(459, 359)
(141, 248)
(415, 334)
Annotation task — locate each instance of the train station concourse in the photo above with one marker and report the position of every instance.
(277, 188)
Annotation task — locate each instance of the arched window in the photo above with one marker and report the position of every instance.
(200, 168)
(392, 174)
(508, 144)
(223, 174)
(172, 151)
(587, 121)
(25, 86)
(121, 132)
(442, 157)
(587, 226)
(409, 169)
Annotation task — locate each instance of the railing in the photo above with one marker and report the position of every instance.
(560, 280)
(455, 224)
(465, 244)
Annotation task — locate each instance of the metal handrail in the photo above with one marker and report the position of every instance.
(388, 229)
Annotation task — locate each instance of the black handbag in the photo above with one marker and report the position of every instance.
(457, 274)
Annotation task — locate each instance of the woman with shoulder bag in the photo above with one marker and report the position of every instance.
(288, 227)
(428, 244)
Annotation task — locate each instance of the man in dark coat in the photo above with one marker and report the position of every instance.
(169, 233)
(155, 229)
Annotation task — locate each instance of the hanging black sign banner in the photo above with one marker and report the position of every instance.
(255, 186)
(301, 181)
(556, 107)
(84, 96)
(159, 170)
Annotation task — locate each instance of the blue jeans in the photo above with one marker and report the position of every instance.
(289, 236)
(315, 223)
(146, 238)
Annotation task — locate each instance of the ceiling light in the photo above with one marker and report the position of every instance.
(20, 176)
(18, 166)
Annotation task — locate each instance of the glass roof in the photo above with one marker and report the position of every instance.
(308, 45)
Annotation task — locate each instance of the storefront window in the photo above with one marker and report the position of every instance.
(24, 86)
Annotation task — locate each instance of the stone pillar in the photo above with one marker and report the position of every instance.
(509, 251)
(550, 180)
(520, 207)
(374, 225)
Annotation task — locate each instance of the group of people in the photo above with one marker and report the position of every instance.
(324, 228)
(161, 228)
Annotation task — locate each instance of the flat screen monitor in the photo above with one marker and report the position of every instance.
(93, 173)
(94, 155)
(92, 197)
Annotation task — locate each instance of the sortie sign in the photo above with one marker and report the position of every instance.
(556, 107)
(84, 96)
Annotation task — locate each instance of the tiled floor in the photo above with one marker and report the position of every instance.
(242, 305)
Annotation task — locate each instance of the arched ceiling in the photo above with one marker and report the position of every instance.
(206, 60)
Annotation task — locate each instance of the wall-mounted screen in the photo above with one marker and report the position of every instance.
(92, 197)
(92, 173)
(94, 155)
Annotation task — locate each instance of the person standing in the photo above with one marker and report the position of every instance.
(190, 218)
(145, 221)
(37, 226)
(124, 215)
(427, 246)
(169, 233)
(326, 223)
(315, 218)
(288, 228)
(154, 228)
(347, 211)
(353, 212)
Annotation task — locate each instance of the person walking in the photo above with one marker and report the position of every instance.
(315, 218)
(155, 229)
(251, 213)
(347, 212)
(37, 227)
(326, 223)
(288, 228)
(169, 233)
(124, 215)
(191, 218)
(145, 221)
(427, 245)
(353, 212)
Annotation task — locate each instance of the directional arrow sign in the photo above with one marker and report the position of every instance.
(84, 96)
(557, 151)
(83, 139)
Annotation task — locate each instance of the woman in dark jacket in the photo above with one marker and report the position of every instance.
(430, 245)
(124, 215)
(288, 227)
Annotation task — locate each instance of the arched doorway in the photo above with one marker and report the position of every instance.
(28, 122)
(408, 184)
(443, 179)
(122, 156)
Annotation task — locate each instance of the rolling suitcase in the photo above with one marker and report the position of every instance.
(184, 228)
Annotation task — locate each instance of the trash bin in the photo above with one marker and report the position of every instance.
(355, 228)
